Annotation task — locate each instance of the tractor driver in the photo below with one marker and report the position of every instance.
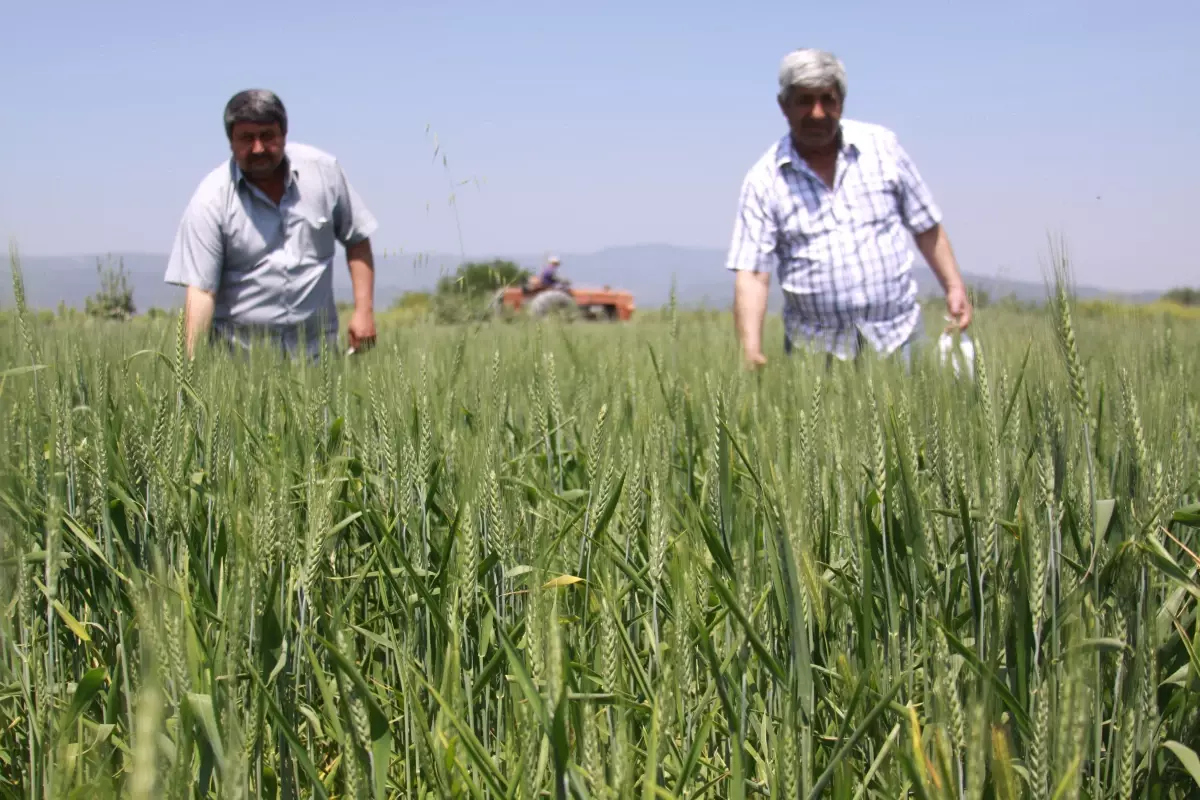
(548, 277)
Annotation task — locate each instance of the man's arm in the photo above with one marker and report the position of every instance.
(752, 257)
(198, 314)
(353, 225)
(196, 260)
(749, 310)
(361, 261)
(934, 245)
(924, 220)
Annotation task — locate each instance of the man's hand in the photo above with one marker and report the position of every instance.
(959, 305)
(361, 330)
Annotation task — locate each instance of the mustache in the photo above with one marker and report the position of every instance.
(817, 128)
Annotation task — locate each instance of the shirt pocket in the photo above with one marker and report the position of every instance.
(808, 230)
(252, 237)
(873, 199)
(807, 216)
(314, 233)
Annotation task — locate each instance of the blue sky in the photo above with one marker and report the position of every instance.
(574, 127)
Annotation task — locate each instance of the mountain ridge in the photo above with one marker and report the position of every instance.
(645, 269)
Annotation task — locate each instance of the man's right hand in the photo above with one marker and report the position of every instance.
(752, 360)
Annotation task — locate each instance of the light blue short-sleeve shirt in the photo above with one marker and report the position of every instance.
(271, 266)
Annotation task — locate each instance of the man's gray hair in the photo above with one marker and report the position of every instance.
(811, 69)
(259, 106)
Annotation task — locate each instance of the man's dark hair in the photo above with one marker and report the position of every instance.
(259, 106)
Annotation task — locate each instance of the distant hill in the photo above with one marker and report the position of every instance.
(646, 270)
(50, 280)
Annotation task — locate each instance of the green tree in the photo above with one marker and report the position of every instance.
(115, 298)
(480, 277)
(1184, 295)
(412, 301)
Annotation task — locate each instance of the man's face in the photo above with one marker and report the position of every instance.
(258, 149)
(813, 115)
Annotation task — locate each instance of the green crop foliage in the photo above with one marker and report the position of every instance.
(602, 561)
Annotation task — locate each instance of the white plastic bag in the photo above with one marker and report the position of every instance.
(960, 356)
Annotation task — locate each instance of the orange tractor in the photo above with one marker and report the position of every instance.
(588, 303)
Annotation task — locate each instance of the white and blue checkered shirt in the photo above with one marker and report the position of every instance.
(842, 255)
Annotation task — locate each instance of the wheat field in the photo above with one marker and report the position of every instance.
(600, 561)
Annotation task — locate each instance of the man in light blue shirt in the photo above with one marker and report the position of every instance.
(256, 244)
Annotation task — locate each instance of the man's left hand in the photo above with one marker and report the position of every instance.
(361, 330)
(959, 306)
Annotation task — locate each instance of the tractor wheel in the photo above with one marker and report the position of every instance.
(552, 302)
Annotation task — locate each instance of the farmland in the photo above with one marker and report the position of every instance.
(513, 560)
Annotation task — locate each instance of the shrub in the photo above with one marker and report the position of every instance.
(482, 277)
(115, 298)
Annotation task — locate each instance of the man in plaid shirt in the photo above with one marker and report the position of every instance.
(830, 208)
